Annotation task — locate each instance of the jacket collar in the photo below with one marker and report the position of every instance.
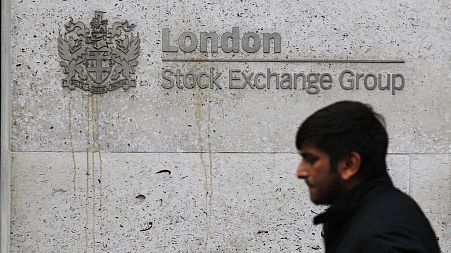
(346, 205)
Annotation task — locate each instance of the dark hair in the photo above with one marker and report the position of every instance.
(345, 127)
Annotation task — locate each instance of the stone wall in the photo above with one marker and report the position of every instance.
(152, 169)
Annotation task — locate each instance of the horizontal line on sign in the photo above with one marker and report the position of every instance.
(283, 61)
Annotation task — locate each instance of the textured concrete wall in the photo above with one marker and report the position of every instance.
(5, 173)
(192, 170)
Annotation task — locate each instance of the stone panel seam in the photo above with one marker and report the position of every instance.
(5, 169)
(213, 152)
(409, 167)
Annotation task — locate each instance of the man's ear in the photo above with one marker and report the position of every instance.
(349, 166)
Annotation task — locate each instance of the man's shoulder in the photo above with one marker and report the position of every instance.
(389, 208)
(391, 199)
(393, 219)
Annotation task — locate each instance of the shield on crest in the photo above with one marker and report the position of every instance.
(98, 64)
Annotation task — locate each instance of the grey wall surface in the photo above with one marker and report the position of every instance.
(212, 170)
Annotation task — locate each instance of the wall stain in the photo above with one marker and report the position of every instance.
(209, 144)
(71, 143)
(208, 166)
(87, 174)
(93, 185)
(94, 173)
(100, 178)
(221, 104)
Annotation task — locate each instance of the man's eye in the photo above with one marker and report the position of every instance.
(310, 160)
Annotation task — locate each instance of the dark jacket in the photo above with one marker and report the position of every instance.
(375, 217)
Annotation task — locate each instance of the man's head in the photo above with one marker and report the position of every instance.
(341, 145)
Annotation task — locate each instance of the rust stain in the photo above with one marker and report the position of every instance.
(207, 165)
(87, 173)
(93, 185)
(210, 171)
(99, 148)
(209, 144)
(221, 104)
(198, 114)
(90, 111)
(71, 143)
(92, 147)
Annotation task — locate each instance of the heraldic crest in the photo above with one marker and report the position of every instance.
(99, 59)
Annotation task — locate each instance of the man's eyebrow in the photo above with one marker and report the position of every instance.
(305, 154)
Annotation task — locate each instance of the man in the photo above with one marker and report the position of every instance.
(343, 148)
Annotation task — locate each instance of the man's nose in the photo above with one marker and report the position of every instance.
(301, 172)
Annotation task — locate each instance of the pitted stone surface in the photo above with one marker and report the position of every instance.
(164, 203)
(149, 118)
(119, 203)
(430, 177)
(212, 170)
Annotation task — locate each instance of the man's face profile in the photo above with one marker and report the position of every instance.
(323, 181)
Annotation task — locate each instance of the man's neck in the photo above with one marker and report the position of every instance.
(351, 183)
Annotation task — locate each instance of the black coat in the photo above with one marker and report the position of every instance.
(375, 217)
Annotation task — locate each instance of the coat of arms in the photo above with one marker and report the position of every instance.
(99, 59)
